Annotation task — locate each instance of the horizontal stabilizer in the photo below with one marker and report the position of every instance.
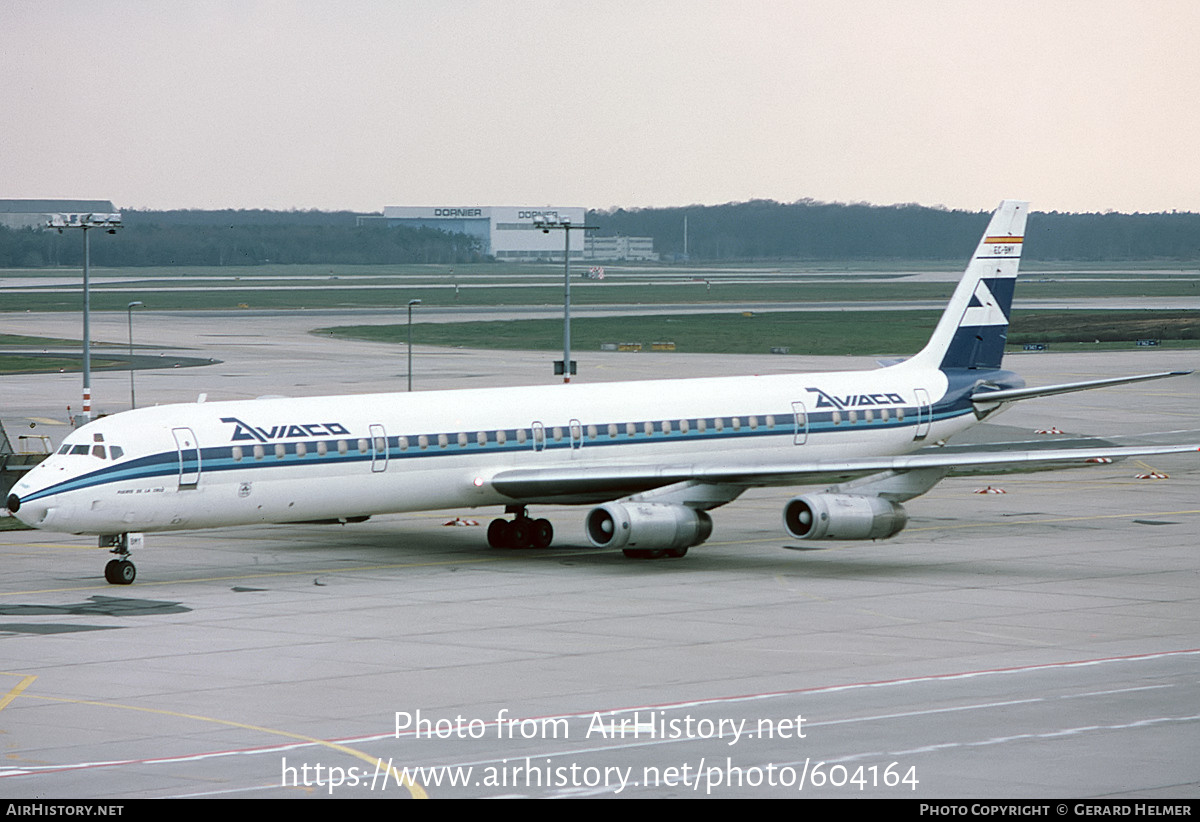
(1014, 394)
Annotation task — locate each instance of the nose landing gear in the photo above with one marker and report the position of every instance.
(121, 571)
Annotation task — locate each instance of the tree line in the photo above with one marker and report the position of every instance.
(236, 238)
(754, 230)
(811, 230)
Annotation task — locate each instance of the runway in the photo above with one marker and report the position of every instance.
(1033, 644)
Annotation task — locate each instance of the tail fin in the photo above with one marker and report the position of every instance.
(974, 326)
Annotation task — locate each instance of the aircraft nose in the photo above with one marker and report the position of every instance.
(13, 504)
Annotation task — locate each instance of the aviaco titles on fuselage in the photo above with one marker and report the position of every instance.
(652, 458)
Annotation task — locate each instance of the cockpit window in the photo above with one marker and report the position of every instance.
(80, 449)
(64, 449)
(116, 452)
(98, 451)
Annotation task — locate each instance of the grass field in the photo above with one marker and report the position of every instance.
(867, 333)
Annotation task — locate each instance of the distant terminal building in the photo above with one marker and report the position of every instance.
(509, 233)
(36, 213)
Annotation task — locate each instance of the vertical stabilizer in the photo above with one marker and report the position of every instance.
(974, 326)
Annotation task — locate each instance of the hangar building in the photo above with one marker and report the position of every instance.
(35, 213)
(508, 232)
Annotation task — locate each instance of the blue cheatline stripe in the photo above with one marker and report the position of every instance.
(220, 458)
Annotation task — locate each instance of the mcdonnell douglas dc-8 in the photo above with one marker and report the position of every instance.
(652, 457)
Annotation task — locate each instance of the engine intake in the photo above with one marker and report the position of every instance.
(843, 516)
(647, 526)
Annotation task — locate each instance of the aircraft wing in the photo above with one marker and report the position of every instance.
(601, 483)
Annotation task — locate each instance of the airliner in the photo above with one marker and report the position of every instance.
(652, 458)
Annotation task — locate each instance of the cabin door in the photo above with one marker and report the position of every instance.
(379, 449)
(189, 457)
(924, 414)
(800, 414)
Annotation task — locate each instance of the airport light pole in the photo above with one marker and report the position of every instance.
(110, 223)
(411, 303)
(129, 309)
(563, 223)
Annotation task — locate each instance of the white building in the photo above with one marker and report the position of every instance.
(505, 232)
(509, 233)
(35, 213)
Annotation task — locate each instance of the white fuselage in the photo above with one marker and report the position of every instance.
(326, 458)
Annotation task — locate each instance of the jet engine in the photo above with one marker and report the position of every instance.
(641, 528)
(843, 516)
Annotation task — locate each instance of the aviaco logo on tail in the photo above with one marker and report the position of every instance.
(855, 400)
(246, 431)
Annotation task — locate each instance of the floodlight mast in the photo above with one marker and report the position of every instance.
(110, 223)
(564, 223)
(411, 303)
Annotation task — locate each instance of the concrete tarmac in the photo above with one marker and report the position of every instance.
(1033, 644)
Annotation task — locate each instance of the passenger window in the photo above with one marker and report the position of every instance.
(258, 452)
(753, 422)
(735, 423)
(423, 442)
(592, 432)
(630, 429)
(481, 438)
(853, 417)
(648, 428)
(883, 415)
(280, 451)
(900, 414)
(612, 430)
(837, 417)
(719, 424)
(237, 453)
(462, 439)
(770, 420)
(301, 449)
(522, 435)
(666, 427)
(501, 438)
(443, 440)
(343, 447)
(869, 415)
(322, 448)
(363, 445)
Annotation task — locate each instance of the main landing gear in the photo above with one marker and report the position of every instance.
(121, 571)
(521, 532)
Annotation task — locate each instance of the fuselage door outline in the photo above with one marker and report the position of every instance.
(800, 415)
(189, 457)
(924, 414)
(379, 448)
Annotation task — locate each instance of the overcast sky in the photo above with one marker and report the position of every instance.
(1077, 106)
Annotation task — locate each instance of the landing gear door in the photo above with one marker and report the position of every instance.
(924, 414)
(189, 457)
